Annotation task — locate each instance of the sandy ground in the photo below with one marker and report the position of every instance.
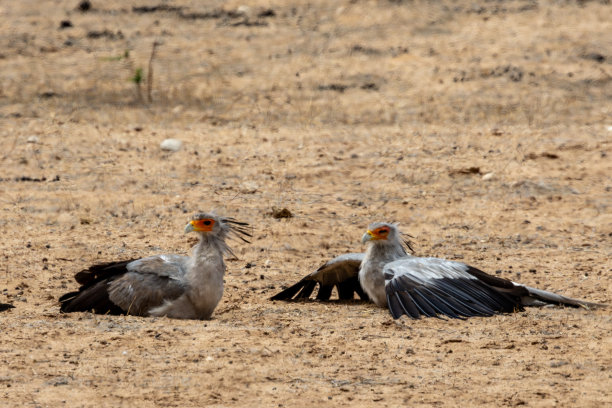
(482, 127)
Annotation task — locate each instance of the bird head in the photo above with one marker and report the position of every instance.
(381, 233)
(203, 223)
(212, 224)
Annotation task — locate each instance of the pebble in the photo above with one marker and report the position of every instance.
(172, 145)
(33, 139)
(488, 176)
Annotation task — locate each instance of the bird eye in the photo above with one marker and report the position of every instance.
(207, 222)
(383, 231)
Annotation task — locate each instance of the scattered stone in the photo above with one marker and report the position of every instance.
(243, 9)
(248, 188)
(84, 5)
(65, 24)
(333, 87)
(172, 145)
(595, 56)
(58, 381)
(156, 9)
(369, 86)
(488, 176)
(513, 73)
(546, 155)
(365, 50)
(105, 34)
(465, 171)
(33, 139)
(280, 213)
(48, 94)
(266, 13)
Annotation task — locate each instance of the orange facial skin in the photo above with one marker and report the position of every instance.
(204, 225)
(378, 233)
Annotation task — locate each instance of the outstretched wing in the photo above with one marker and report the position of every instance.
(132, 286)
(341, 272)
(436, 287)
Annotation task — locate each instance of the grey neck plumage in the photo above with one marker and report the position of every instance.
(371, 278)
(385, 251)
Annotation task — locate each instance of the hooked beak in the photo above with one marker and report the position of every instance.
(368, 236)
(189, 227)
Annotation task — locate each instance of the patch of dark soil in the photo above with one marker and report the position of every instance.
(156, 9)
(94, 34)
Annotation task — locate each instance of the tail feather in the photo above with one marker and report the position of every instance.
(94, 298)
(539, 295)
(93, 293)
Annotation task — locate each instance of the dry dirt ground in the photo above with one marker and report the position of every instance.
(482, 127)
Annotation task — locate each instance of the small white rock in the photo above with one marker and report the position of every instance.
(248, 188)
(488, 176)
(172, 145)
(33, 139)
(243, 9)
(609, 128)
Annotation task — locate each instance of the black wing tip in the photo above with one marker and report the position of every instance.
(84, 277)
(6, 306)
(435, 302)
(280, 296)
(289, 293)
(93, 295)
(75, 305)
(303, 290)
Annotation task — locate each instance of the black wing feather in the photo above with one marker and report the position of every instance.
(93, 293)
(347, 289)
(307, 289)
(439, 303)
(396, 307)
(325, 292)
(290, 292)
(436, 287)
(463, 290)
(6, 306)
(340, 272)
(459, 307)
(423, 304)
(408, 305)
